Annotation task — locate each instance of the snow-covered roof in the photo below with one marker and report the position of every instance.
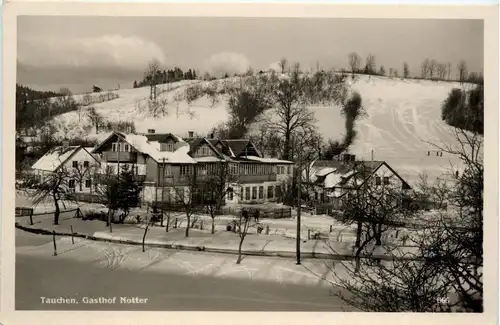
(268, 160)
(208, 159)
(141, 143)
(325, 171)
(332, 179)
(55, 157)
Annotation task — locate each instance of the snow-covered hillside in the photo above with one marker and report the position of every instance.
(401, 116)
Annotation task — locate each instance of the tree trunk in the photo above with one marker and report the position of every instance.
(238, 261)
(358, 264)
(213, 225)
(108, 220)
(187, 225)
(144, 237)
(168, 222)
(286, 152)
(358, 234)
(379, 235)
(57, 212)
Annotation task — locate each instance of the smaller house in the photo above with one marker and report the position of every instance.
(78, 161)
(331, 180)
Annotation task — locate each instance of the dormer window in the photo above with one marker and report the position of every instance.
(170, 147)
(123, 147)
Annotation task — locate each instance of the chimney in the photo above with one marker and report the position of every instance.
(211, 136)
(65, 144)
(190, 134)
(150, 131)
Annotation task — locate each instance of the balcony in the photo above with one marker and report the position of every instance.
(103, 178)
(125, 156)
(245, 179)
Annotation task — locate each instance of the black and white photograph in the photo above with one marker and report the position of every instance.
(258, 164)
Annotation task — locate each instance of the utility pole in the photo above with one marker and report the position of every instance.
(162, 190)
(299, 206)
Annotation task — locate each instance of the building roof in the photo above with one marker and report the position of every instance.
(237, 147)
(266, 160)
(56, 157)
(152, 148)
(161, 137)
(335, 173)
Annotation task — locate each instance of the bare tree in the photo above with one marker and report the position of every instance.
(462, 71)
(354, 62)
(424, 68)
(442, 270)
(151, 76)
(95, 118)
(243, 226)
(83, 171)
(449, 70)
(441, 71)
(292, 97)
(370, 64)
(216, 186)
(374, 205)
(391, 72)
(406, 70)
(56, 186)
(432, 68)
(186, 197)
(282, 63)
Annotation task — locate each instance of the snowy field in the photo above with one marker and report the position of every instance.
(401, 117)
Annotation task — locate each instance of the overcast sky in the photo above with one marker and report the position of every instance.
(77, 52)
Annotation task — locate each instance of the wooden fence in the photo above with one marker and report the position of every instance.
(87, 197)
(264, 212)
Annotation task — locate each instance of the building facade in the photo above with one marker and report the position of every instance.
(76, 162)
(171, 166)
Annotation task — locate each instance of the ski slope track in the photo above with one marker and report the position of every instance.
(402, 116)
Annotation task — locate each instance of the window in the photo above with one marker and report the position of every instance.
(168, 170)
(126, 147)
(202, 169)
(75, 164)
(86, 164)
(71, 183)
(88, 183)
(170, 147)
(185, 170)
(270, 192)
(230, 194)
(289, 170)
(386, 180)
(137, 170)
(247, 193)
(114, 147)
(377, 180)
(233, 169)
(254, 193)
(261, 192)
